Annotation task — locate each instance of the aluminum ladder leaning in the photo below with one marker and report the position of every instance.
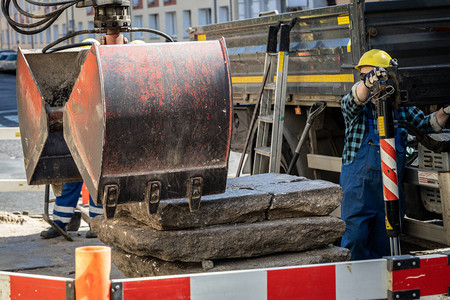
(271, 121)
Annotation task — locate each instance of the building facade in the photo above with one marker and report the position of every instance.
(170, 16)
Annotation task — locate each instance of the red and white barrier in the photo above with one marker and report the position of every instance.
(26, 286)
(399, 277)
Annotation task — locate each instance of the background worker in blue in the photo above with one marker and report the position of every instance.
(362, 206)
(64, 209)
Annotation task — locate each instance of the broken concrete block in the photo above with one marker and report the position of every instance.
(234, 206)
(303, 198)
(247, 199)
(260, 180)
(137, 266)
(221, 241)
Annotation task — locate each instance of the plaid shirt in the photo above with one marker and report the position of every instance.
(355, 124)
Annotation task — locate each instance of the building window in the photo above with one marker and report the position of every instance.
(23, 38)
(137, 22)
(64, 29)
(17, 38)
(153, 23)
(170, 2)
(71, 26)
(81, 36)
(89, 10)
(137, 4)
(171, 24)
(152, 3)
(204, 16)
(91, 26)
(223, 14)
(55, 32)
(30, 39)
(48, 35)
(41, 37)
(186, 22)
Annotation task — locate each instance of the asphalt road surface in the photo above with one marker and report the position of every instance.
(8, 104)
(11, 156)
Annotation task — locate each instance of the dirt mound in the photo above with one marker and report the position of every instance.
(6, 217)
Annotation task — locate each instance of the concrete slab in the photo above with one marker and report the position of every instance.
(136, 266)
(247, 199)
(221, 241)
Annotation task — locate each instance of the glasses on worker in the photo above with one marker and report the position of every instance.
(361, 75)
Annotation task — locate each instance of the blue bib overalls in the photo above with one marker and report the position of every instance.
(362, 206)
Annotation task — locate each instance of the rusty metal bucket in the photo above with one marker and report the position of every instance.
(151, 122)
(44, 83)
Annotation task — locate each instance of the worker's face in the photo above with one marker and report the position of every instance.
(364, 70)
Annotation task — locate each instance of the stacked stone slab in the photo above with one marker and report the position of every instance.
(265, 220)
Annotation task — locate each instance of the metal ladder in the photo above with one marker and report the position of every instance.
(270, 122)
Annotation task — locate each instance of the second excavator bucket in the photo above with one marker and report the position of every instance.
(150, 122)
(44, 83)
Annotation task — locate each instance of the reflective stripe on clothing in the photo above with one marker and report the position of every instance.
(66, 203)
(93, 210)
(64, 220)
(63, 209)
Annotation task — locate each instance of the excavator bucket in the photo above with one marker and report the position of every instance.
(150, 122)
(44, 83)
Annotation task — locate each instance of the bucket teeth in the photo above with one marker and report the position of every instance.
(110, 197)
(152, 196)
(195, 193)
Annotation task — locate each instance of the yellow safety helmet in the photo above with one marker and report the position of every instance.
(375, 58)
(137, 42)
(92, 41)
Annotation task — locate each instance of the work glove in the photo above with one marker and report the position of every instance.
(376, 74)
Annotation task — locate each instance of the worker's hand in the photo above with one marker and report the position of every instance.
(371, 77)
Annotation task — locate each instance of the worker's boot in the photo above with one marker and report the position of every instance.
(50, 233)
(90, 235)
(75, 222)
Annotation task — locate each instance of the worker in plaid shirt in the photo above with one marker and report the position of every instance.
(362, 206)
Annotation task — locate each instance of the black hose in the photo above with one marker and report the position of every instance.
(425, 139)
(47, 49)
(48, 19)
(38, 3)
(68, 47)
(160, 33)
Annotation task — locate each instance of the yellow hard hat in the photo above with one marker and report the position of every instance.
(137, 42)
(92, 41)
(375, 58)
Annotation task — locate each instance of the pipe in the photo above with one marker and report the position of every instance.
(92, 272)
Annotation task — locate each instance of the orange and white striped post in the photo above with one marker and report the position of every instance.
(390, 177)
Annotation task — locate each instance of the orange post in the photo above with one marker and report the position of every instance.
(92, 272)
(84, 195)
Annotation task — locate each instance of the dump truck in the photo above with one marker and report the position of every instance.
(325, 46)
(102, 134)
